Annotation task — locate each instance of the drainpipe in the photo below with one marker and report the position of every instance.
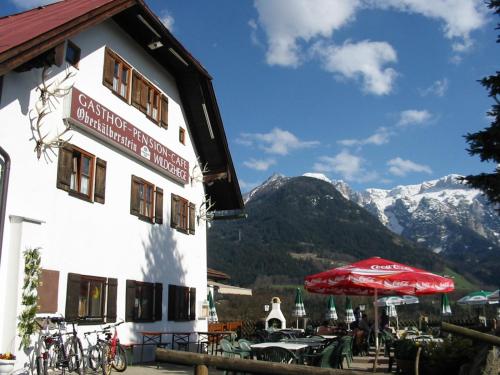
(3, 196)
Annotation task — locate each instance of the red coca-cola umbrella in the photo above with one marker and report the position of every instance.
(377, 276)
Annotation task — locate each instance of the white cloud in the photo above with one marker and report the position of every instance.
(460, 17)
(259, 164)
(438, 88)
(413, 117)
(365, 61)
(167, 19)
(349, 166)
(286, 22)
(380, 137)
(277, 141)
(401, 167)
(28, 4)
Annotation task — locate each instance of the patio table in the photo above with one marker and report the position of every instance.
(285, 345)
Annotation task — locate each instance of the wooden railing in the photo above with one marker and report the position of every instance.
(202, 362)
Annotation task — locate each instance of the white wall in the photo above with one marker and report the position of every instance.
(91, 238)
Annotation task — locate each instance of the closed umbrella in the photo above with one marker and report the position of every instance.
(212, 313)
(299, 311)
(349, 314)
(445, 305)
(331, 312)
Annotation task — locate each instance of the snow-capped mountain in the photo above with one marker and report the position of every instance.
(438, 213)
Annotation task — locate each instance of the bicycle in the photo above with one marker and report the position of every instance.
(58, 353)
(106, 353)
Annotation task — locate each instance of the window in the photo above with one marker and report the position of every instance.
(146, 201)
(149, 100)
(91, 299)
(181, 303)
(73, 53)
(81, 174)
(182, 135)
(116, 74)
(143, 301)
(183, 215)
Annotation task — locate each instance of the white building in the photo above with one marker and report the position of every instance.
(118, 211)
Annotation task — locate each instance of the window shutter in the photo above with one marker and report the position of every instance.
(111, 300)
(130, 301)
(185, 303)
(174, 209)
(172, 289)
(136, 90)
(72, 296)
(134, 196)
(144, 95)
(47, 291)
(158, 306)
(164, 112)
(159, 206)
(109, 70)
(192, 218)
(64, 167)
(192, 303)
(100, 181)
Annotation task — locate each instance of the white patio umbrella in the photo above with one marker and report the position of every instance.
(480, 297)
(299, 311)
(391, 302)
(495, 296)
(331, 311)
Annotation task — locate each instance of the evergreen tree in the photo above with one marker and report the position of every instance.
(486, 143)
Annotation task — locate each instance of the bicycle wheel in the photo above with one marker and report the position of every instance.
(94, 357)
(74, 354)
(120, 360)
(106, 360)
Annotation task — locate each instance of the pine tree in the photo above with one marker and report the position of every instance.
(486, 143)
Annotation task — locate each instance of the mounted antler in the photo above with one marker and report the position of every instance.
(197, 173)
(204, 209)
(50, 94)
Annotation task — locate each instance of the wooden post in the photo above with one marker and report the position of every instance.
(201, 370)
(470, 333)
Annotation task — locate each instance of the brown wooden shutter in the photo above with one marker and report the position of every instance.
(136, 90)
(111, 300)
(159, 206)
(134, 196)
(64, 167)
(130, 301)
(109, 70)
(192, 218)
(172, 289)
(192, 303)
(72, 296)
(164, 112)
(144, 96)
(47, 291)
(100, 181)
(158, 302)
(174, 208)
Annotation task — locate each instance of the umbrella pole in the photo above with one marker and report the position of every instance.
(376, 320)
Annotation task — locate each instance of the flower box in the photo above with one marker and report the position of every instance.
(7, 365)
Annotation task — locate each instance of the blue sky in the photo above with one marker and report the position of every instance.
(377, 93)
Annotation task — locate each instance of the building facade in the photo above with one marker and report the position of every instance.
(113, 150)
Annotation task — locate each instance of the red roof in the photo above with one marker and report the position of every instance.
(22, 27)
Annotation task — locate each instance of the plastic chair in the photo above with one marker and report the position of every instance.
(277, 354)
(322, 359)
(245, 348)
(346, 343)
(228, 350)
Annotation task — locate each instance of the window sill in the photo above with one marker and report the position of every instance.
(147, 219)
(81, 196)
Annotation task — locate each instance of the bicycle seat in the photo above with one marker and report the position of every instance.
(57, 319)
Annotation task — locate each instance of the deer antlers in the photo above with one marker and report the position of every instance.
(50, 94)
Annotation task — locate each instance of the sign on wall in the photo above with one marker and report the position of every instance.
(95, 118)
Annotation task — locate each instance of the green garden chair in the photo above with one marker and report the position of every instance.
(228, 350)
(346, 343)
(277, 354)
(323, 359)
